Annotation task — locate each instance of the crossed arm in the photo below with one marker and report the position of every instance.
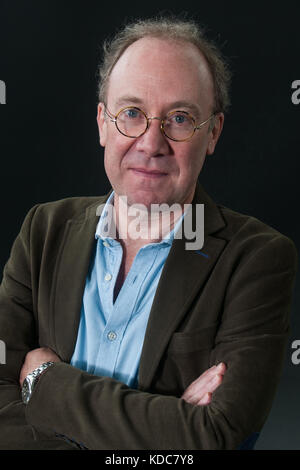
(100, 412)
(199, 392)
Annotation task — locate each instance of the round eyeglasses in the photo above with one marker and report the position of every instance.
(177, 125)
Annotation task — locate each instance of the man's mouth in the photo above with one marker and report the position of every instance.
(148, 173)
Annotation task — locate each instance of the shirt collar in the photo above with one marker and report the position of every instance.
(102, 229)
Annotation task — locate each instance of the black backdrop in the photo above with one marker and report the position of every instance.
(49, 147)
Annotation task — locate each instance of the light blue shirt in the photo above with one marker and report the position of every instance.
(111, 335)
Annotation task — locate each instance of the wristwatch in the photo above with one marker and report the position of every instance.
(31, 380)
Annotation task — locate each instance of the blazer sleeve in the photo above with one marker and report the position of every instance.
(102, 413)
(18, 332)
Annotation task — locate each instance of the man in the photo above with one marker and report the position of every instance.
(139, 343)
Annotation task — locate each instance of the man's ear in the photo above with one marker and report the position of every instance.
(215, 133)
(102, 124)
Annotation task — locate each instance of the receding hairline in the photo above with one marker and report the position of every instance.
(181, 42)
(171, 41)
(174, 29)
(135, 100)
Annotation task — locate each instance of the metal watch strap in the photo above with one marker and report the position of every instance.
(37, 372)
(32, 379)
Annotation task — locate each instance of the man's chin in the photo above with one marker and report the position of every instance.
(142, 198)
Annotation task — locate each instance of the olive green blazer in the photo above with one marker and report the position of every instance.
(229, 302)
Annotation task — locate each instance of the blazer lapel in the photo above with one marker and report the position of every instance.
(183, 275)
(70, 276)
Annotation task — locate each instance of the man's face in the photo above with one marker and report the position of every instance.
(158, 77)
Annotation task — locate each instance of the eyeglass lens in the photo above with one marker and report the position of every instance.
(177, 125)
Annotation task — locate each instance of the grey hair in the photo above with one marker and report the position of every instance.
(172, 29)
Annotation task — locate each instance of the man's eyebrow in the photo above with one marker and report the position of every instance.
(193, 108)
(125, 100)
(177, 105)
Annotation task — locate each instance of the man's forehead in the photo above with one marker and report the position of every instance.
(152, 65)
(149, 51)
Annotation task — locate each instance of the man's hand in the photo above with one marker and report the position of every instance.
(34, 359)
(200, 391)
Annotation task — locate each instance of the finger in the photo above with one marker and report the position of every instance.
(215, 383)
(205, 400)
(195, 396)
(206, 373)
(209, 374)
(203, 383)
(204, 378)
(221, 368)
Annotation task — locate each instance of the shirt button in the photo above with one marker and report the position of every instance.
(108, 277)
(105, 244)
(112, 335)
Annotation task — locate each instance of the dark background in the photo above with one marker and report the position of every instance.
(49, 146)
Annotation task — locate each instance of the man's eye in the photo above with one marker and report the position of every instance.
(179, 119)
(132, 113)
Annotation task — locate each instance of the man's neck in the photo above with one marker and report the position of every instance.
(137, 225)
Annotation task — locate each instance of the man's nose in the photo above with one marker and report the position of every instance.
(153, 142)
